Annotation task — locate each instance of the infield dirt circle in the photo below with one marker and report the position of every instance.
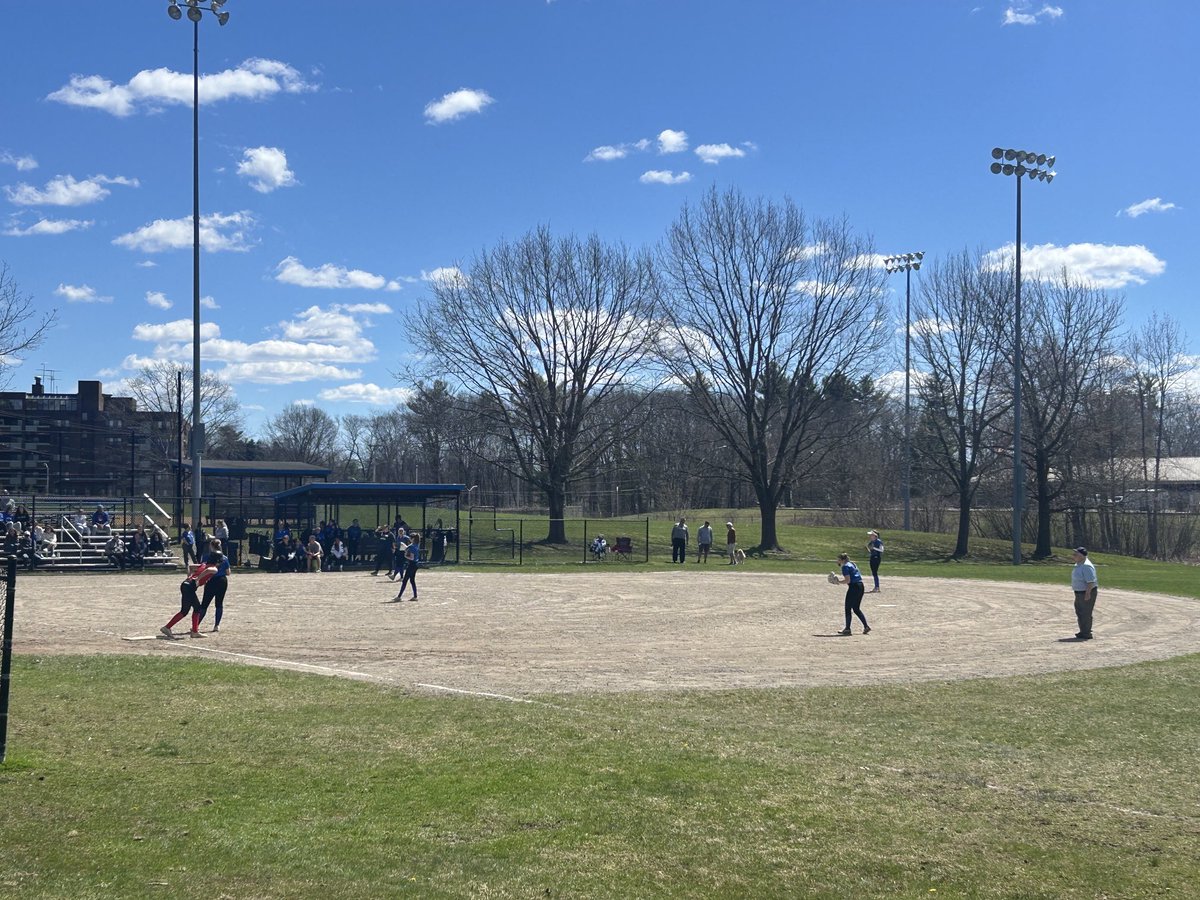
(608, 629)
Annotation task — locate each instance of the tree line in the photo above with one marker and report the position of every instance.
(749, 359)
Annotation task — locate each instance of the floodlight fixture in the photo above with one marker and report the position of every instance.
(194, 13)
(997, 152)
(222, 18)
(907, 263)
(174, 11)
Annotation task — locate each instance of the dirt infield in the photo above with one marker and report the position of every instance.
(521, 635)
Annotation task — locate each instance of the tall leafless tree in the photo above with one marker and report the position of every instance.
(762, 306)
(962, 313)
(1070, 329)
(1157, 353)
(23, 325)
(155, 388)
(304, 434)
(543, 330)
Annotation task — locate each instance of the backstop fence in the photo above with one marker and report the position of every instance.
(8, 593)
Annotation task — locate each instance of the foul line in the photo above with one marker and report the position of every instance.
(442, 687)
(281, 662)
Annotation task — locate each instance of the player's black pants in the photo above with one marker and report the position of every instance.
(214, 589)
(875, 561)
(410, 577)
(188, 600)
(854, 595)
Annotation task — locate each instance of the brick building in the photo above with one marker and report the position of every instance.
(84, 444)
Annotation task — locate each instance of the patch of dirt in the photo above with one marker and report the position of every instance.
(613, 630)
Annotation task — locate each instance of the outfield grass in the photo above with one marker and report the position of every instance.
(181, 778)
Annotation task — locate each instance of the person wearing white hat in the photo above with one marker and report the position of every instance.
(731, 543)
(875, 548)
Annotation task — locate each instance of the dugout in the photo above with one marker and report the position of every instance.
(309, 504)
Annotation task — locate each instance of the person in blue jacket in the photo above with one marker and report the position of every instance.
(852, 578)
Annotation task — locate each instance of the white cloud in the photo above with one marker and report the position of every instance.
(457, 104)
(80, 294)
(672, 141)
(49, 226)
(1154, 204)
(66, 191)
(218, 231)
(714, 153)
(607, 153)
(444, 275)
(1019, 14)
(657, 176)
(266, 168)
(146, 264)
(150, 89)
(209, 303)
(365, 309)
(1108, 266)
(180, 330)
(158, 300)
(23, 163)
(291, 271)
(368, 393)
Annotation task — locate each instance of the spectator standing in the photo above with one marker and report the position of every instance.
(187, 546)
(731, 543)
(679, 541)
(704, 539)
(353, 538)
(875, 548)
(383, 553)
(1086, 587)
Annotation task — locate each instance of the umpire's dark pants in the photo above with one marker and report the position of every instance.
(1085, 604)
(678, 550)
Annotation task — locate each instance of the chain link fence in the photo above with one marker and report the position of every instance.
(8, 596)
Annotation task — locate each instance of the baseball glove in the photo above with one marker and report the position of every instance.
(834, 578)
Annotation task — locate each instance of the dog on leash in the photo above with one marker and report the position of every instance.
(739, 556)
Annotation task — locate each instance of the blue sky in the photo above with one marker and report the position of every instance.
(351, 150)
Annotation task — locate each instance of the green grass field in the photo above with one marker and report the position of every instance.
(132, 777)
(172, 777)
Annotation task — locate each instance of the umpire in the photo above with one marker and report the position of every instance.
(1085, 586)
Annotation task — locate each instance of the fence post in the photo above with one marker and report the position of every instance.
(521, 546)
(585, 542)
(10, 597)
(647, 541)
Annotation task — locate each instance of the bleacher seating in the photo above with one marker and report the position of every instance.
(85, 552)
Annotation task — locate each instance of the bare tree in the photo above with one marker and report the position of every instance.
(1070, 330)
(961, 316)
(22, 326)
(155, 388)
(303, 433)
(543, 330)
(762, 307)
(1157, 354)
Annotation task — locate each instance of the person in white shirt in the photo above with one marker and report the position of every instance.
(1086, 587)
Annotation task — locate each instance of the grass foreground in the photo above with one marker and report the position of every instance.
(131, 777)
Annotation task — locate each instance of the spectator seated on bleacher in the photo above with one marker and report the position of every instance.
(79, 521)
(337, 556)
(114, 551)
(156, 543)
(135, 549)
(12, 540)
(101, 521)
(599, 547)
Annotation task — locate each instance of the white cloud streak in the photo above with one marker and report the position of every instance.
(65, 190)
(1019, 14)
(48, 226)
(658, 176)
(82, 293)
(367, 393)
(1154, 204)
(456, 104)
(1108, 266)
(266, 168)
(218, 231)
(23, 163)
(158, 300)
(714, 153)
(150, 89)
(291, 271)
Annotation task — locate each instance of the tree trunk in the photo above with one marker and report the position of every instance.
(962, 543)
(556, 499)
(770, 539)
(1042, 475)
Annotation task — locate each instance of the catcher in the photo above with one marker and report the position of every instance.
(852, 578)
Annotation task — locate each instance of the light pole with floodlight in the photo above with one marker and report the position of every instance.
(195, 12)
(1022, 163)
(906, 263)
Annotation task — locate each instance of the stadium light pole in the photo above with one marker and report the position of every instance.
(1023, 164)
(906, 263)
(195, 12)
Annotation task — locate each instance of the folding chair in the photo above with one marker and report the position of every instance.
(623, 549)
